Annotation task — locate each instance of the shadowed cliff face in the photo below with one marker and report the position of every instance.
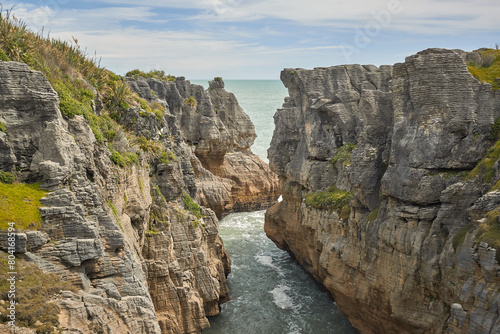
(144, 257)
(409, 253)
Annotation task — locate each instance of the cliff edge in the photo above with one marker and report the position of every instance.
(389, 191)
(121, 232)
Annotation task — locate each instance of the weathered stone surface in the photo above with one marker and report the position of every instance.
(399, 138)
(142, 262)
(227, 175)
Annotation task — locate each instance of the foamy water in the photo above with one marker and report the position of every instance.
(270, 293)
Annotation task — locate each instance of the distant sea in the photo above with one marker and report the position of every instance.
(270, 292)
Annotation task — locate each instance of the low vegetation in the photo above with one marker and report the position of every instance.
(344, 153)
(79, 80)
(487, 67)
(459, 238)
(124, 159)
(6, 177)
(19, 203)
(191, 206)
(484, 169)
(373, 215)
(155, 74)
(489, 231)
(191, 101)
(332, 199)
(35, 291)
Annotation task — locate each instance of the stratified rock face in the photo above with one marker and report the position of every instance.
(401, 139)
(228, 176)
(87, 246)
(122, 235)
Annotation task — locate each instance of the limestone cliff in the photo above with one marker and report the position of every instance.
(389, 199)
(229, 177)
(119, 221)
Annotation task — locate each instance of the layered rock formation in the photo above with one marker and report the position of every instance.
(142, 255)
(229, 177)
(410, 252)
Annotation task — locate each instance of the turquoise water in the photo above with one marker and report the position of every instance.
(270, 293)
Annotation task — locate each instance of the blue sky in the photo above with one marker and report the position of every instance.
(256, 39)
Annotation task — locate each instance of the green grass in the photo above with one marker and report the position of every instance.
(373, 215)
(333, 198)
(344, 153)
(6, 177)
(489, 231)
(459, 238)
(123, 159)
(156, 74)
(191, 101)
(484, 169)
(19, 203)
(166, 157)
(114, 211)
(34, 292)
(191, 206)
(2, 127)
(488, 69)
(3, 56)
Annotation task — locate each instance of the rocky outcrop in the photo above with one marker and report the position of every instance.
(141, 254)
(404, 144)
(229, 177)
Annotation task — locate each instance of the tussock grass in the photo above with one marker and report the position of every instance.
(79, 79)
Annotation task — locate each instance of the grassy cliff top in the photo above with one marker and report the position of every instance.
(487, 67)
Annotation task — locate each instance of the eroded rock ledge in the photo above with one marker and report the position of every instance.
(407, 255)
(140, 261)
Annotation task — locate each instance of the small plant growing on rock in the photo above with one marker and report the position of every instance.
(191, 101)
(166, 157)
(344, 153)
(333, 198)
(6, 177)
(191, 205)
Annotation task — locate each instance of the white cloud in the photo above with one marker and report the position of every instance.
(218, 37)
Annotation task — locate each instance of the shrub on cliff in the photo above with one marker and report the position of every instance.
(333, 198)
(155, 74)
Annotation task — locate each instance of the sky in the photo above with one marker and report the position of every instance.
(256, 39)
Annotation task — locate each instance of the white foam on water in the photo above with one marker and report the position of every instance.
(294, 329)
(280, 298)
(267, 261)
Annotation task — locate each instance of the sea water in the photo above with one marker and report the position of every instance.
(270, 292)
